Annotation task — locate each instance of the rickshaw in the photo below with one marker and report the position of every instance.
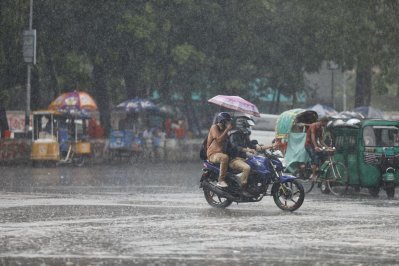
(59, 138)
(291, 129)
(370, 150)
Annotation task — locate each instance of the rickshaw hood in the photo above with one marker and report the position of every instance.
(286, 120)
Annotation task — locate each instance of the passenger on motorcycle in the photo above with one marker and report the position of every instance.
(314, 144)
(216, 143)
(240, 147)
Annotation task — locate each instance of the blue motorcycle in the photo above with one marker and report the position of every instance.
(266, 171)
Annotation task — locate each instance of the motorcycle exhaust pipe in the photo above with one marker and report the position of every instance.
(218, 191)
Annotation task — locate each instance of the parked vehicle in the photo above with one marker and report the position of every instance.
(370, 150)
(45, 145)
(124, 143)
(266, 171)
(59, 138)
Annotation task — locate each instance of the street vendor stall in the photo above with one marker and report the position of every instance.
(60, 133)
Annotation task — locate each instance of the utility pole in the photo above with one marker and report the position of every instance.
(29, 52)
(344, 95)
(332, 66)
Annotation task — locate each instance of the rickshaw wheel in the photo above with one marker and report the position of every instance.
(337, 178)
(374, 191)
(307, 185)
(324, 188)
(303, 178)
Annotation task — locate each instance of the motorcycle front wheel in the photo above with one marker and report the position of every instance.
(288, 195)
(215, 200)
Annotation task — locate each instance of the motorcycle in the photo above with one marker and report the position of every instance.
(266, 171)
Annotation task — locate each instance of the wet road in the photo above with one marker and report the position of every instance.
(155, 214)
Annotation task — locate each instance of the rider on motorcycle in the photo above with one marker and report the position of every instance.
(240, 148)
(217, 140)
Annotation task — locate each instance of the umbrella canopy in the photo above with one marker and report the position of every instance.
(137, 105)
(369, 112)
(171, 110)
(75, 103)
(323, 110)
(235, 103)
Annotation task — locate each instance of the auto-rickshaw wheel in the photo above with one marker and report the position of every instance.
(374, 191)
(390, 190)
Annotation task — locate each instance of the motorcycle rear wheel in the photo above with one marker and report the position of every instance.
(216, 201)
(289, 195)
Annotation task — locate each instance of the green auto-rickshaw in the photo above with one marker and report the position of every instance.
(370, 150)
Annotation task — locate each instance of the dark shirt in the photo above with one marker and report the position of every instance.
(239, 141)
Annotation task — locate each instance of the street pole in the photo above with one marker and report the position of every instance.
(344, 96)
(29, 66)
(332, 66)
(332, 88)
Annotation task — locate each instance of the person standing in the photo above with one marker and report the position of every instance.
(216, 142)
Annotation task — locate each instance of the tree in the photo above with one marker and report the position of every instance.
(357, 34)
(13, 20)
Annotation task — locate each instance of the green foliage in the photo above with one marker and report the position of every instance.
(209, 47)
(4, 97)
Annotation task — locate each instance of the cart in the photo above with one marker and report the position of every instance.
(59, 139)
(124, 144)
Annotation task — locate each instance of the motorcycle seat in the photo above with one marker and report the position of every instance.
(229, 170)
